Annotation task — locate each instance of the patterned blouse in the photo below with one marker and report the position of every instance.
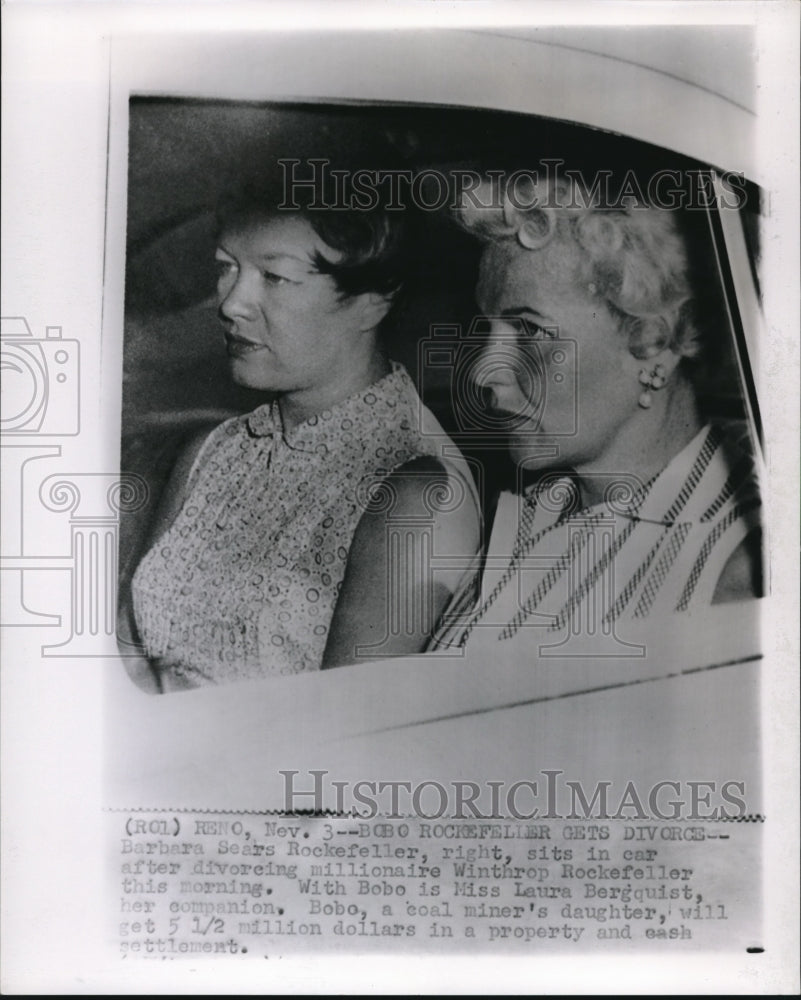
(554, 572)
(244, 582)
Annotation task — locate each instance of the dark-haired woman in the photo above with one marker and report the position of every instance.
(306, 533)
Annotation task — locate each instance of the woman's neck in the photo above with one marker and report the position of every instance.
(647, 443)
(298, 406)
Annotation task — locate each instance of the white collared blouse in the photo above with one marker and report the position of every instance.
(244, 582)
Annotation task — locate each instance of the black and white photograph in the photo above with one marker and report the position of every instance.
(400, 453)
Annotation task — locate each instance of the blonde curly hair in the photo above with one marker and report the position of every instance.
(633, 255)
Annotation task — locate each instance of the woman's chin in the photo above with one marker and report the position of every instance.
(244, 375)
(533, 451)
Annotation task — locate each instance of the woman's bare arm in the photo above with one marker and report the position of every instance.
(170, 502)
(407, 557)
(174, 494)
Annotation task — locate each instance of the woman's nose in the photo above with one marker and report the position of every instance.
(236, 296)
(498, 362)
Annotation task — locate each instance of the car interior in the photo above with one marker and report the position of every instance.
(183, 154)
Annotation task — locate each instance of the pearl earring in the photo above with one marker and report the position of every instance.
(652, 381)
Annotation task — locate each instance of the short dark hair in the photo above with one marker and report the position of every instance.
(374, 241)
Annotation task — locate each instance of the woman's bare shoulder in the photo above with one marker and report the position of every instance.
(433, 488)
(420, 525)
(426, 495)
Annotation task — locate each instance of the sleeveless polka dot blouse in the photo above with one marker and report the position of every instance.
(244, 582)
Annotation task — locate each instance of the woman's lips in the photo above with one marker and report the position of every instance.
(524, 420)
(237, 347)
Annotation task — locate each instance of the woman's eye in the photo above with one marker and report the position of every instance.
(274, 279)
(537, 332)
(223, 267)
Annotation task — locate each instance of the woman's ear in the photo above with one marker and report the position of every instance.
(649, 343)
(371, 308)
(666, 358)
